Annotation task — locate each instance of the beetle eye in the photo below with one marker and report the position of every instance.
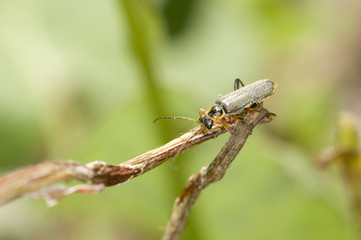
(206, 121)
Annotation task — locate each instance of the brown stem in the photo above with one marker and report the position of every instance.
(39, 178)
(213, 172)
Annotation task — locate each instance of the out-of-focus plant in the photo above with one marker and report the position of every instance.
(346, 152)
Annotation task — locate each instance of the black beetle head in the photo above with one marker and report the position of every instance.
(206, 121)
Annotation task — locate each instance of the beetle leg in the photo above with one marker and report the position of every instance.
(225, 125)
(237, 84)
(202, 112)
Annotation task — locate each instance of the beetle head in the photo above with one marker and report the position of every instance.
(206, 121)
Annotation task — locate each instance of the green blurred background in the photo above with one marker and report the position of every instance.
(83, 80)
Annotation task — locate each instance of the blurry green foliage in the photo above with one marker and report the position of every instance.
(178, 15)
(20, 139)
(83, 80)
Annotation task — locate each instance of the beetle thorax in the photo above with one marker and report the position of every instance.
(213, 114)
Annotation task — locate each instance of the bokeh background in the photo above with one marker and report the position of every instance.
(83, 80)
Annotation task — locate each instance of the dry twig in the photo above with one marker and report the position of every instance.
(213, 172)
(38, 180)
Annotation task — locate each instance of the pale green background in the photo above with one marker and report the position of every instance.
(73, 85)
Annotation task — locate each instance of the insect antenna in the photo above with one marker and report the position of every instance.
(190, 138)
(184, 118)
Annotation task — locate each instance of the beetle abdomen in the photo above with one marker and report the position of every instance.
(234, 102)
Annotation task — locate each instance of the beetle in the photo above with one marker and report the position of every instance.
(233, 103)
(230, 106)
